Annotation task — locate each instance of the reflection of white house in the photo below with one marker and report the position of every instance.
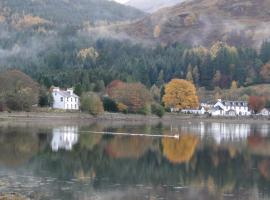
(64, 138)
(66, 100)
(220, 132)
(230, 108)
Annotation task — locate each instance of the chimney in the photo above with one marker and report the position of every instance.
(55, 89)
(70, 90)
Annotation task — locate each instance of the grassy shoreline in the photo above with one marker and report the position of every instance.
(84, 117)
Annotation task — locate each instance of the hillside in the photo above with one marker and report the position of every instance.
(239, 22)
(241, 93)
(152, 6)
(74, 12)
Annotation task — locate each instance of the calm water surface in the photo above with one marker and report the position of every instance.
(64, 161)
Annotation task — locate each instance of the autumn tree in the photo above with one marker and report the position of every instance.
(114, 85)
(18, 91)
(265, 72)
(133, 95)
(180, 94)
(256, 103)
(234, 85)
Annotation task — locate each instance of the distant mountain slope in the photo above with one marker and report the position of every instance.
(204, 21)
(71, 11)
(152, 5)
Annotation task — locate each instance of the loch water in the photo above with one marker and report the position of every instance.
(66, 161)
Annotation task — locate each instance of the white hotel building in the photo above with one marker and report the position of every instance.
(65, 99)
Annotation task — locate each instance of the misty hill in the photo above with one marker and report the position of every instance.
(74, 12)
(150, 5)
(204, 21)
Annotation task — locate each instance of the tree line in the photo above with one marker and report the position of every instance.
(93, 66)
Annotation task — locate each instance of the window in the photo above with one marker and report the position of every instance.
(71, 99)
(62, 99)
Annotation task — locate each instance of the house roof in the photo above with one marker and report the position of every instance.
(235, 103)
(66, 94)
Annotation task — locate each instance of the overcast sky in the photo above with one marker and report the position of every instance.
(121, 1)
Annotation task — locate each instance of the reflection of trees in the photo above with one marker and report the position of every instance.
(89, 141)
(17, 147)
(258, 145)
(179, 151)
(128, 147)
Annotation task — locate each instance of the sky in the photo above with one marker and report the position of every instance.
(121, 1)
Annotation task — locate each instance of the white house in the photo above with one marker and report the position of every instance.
(64, 138)
(200, 111)
(230, 108)
(264, 112)
(65, 99)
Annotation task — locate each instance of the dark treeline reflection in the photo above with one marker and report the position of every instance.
(195, 160)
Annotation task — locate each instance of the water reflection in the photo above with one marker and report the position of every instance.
(208, 161)
(180, 150)
(64, 138)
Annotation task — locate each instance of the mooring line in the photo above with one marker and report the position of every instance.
(176, 136)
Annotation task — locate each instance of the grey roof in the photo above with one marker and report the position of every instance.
(234, 103)
(66, 94)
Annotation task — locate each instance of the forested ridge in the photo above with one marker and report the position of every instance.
(91, 64)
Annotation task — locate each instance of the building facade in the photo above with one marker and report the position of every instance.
(65, 99)
(230, 108)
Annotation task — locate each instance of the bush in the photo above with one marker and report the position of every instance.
(122, 108)
(45, 98)
(109, 105)
(90, 102)
(22, 100)
(146, 110)
(157, 110)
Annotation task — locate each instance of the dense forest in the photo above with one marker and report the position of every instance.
(71, 61)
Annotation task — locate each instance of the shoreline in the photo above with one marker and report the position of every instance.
(84, 117)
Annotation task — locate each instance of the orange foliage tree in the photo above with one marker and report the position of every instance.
(179, 151)
(113, 85)
(180, 94)
(256, 103)
(134, 95)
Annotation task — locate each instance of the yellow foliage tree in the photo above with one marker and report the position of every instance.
(180, 94)
(234, 85)
(88, 53)
(179, 151)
